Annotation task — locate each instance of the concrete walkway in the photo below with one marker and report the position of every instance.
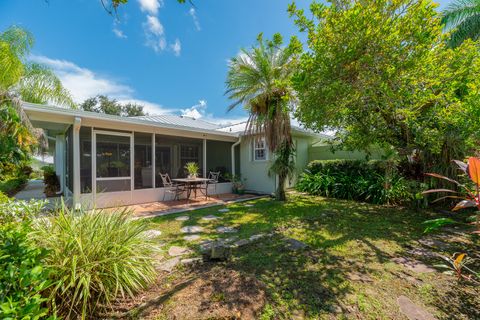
(33, 190)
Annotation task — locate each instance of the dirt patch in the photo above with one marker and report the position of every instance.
(200, 293)
(217, 294)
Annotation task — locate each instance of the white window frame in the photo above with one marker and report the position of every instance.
(254, 149)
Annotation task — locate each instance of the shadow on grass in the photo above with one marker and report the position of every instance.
(344, 238)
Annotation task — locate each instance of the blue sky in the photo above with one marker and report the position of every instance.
(170, 57)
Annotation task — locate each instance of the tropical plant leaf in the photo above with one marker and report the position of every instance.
(474, 169)
(461, 165)
(436, 175)
(447, 197)
(464, 204)
(435, 224)
(438, 190)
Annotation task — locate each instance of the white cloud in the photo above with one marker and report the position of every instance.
(84, 83)
(154, 26)
(176, 47)
(150, 6)
(155, 34)
(193, 13)
(196, 111)
(119, 33)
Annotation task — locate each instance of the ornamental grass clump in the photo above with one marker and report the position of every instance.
(95, 257)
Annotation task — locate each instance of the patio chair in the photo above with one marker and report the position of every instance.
(170, 187)
(213, 180)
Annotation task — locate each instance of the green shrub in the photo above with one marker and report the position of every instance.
(22, 276)
(13, 184)
(95, 257)
(3, 197)
(20, 211)
(370, 181)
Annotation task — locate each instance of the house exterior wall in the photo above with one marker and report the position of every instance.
(256, 172)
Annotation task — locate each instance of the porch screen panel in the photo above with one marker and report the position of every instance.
(69, 157)
(86, 159)
(219, 158)
(163, 158)
(172, 153)
(113, 163)
(143, 160)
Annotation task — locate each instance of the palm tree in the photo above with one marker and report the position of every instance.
(20, 81)
(259, 79)
(462, 19)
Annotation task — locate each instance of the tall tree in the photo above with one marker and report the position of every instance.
(22, 80)
(462, 20)
(103, 104)
(259, 79)
(379, 72)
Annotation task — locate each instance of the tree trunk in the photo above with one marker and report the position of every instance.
(280, 193)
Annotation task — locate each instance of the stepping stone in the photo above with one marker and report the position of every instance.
(182, 218)
(191, 229)
(224, 210)
(295, 245)
(248, 205)
(412, 311)
(191, 261)
(168, 265)
(210, 217)
(206, 245)
(414, 265)
(175, 251)
(191, 237)
(226, 229)
(241, 243)
(231, 239)
(256, 237)
(152, 233)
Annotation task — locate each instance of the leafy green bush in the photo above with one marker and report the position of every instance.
(3, 197)
(95, 257)
(22, 276)
(11, 185)
(369, 181)
(20, 211)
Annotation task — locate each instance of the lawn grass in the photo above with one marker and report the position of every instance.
(347, 271)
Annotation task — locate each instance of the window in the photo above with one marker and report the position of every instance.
(259, 149)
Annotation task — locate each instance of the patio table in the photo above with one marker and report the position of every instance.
(191, 184)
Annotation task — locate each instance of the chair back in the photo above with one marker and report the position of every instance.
(214, 176)
(167, 182)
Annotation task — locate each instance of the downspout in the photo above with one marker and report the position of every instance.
(233, 154)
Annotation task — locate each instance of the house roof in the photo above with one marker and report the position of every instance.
(47, 113)
(180, 121)
(239, 128)
(174, 122)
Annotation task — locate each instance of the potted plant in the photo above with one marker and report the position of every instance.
(238, 185)
(192, 169)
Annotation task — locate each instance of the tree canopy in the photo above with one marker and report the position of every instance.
(379, 72)
(103, 104)
(23, 80)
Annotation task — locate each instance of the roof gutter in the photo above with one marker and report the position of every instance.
(233, 154)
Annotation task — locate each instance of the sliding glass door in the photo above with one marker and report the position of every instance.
(113, 161)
